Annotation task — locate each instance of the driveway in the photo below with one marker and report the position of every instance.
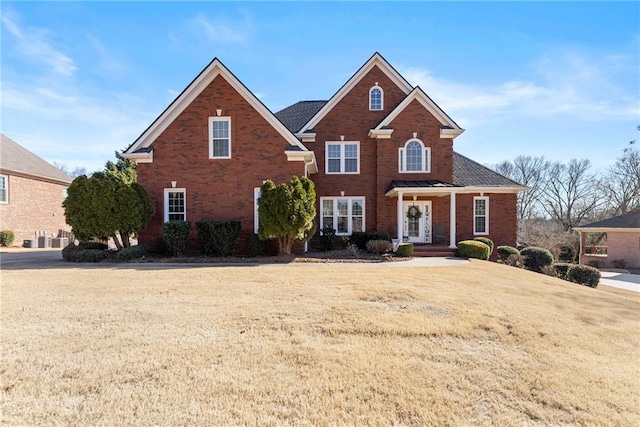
(630, 282)
(23, 259)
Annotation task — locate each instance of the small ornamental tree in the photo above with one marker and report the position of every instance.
(102, 207)
(287, 212)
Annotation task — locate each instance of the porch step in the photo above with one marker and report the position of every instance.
(427, 250)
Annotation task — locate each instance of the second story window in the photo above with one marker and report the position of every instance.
(219, 137)
(4, 189)
(342, 157)
(414, 157)
(375, 98)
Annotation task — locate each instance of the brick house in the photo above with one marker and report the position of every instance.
(379, 151)
(31, 193)
(612, 239)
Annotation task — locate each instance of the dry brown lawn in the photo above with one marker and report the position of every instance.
(481, 344)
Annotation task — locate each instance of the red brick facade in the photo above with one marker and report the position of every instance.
(224, 188)
(34, 206)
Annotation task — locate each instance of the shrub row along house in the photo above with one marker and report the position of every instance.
(379, 151)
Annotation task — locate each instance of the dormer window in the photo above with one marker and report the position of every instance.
(414, 157)
(375, 98)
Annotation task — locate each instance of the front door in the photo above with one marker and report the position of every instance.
(417, 221)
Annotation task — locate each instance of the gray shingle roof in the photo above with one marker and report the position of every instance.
(467, 172)
(628, 220)
(297, 115)
(16, 158)
(433, 183)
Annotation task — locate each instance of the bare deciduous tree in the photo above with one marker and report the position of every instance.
(529, 171)
(622, 182)
(572, 194)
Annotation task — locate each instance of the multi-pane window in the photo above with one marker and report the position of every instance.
(375, 98)
(480, 215)
(220, 137)
(345, 215)
(414, 157)
(4, 189)
(175, 206)
(343, 157)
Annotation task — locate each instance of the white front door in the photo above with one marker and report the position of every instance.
(417, 230)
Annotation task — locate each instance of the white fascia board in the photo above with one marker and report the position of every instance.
(418, 95)
(306, 137)
(606, 230)
(213, 70)
(457, 190)
(376, 59)
(308, 157)
(450, 133)
(380, 133)
(139, 157)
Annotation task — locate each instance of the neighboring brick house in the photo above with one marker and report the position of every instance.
(31, 193)
(618, 238)
(379, 151)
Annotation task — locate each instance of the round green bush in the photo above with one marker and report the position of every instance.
(487, 241)
(6, 237)
(90, 255)
(505, 251)
(405, 250)
(92, 245)
(132, 252)
(69, 251)
(473, 249)
(584, 275)
(536, 258)
(562, 268)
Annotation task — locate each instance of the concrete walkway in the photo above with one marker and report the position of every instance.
(622, 280)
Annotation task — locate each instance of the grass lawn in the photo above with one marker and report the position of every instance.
(315, 345)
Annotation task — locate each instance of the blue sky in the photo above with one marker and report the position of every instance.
(560, 79)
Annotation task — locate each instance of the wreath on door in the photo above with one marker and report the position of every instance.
(414, 212)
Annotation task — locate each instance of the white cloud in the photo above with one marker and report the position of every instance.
(562, 84)
(221, 33)
(33, 44)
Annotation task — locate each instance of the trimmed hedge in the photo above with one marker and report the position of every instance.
(7, 237)
(256, 247)
(505, 251)
(487, 241)
(218, 238)
(405, 250)
(360, 238)
(175, 235)
(132, 252)
(473, 249)
(584, 275)
(92, 245)
(536, 258)
(327, 234)
(379, 246)
(73, 253)
(562, 269)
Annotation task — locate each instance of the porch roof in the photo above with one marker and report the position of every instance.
(419, 187)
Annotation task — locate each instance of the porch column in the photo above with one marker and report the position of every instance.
(399, 216)
(452, 220)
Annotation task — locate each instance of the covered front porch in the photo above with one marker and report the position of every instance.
(421, 217)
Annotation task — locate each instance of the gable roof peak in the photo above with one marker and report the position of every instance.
(375, 60)
(214, 69)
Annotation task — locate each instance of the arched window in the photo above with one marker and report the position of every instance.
(375, 98)
(414, 157)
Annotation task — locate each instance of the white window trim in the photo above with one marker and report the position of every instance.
(218, 119)
(6, 189)
(349, 214)
(256, 218)
(381, 98)
(166, 201)
(402, 158)
(486, 216)
(342, 157)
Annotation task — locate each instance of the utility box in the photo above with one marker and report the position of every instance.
(44, 241)
(31, 243)
(60, 242)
